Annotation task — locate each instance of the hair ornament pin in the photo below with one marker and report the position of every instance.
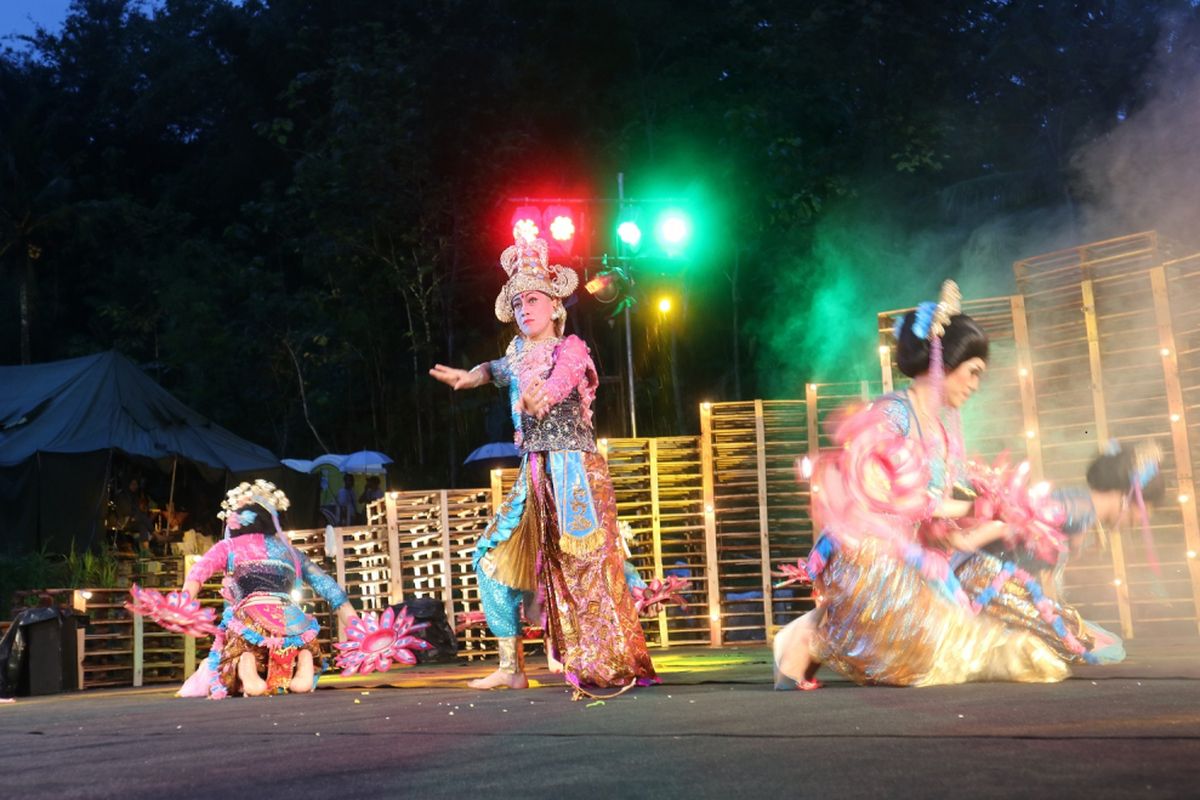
(1147, 456)
(949, 305)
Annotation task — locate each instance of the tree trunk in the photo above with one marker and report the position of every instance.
(26, 279)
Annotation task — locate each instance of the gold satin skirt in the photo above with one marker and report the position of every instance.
(885, 624)
(1014, 607)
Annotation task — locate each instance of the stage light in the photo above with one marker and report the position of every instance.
(563, 223)
(674, 229)
(528, 219)
(562, 228)
(629, 233)
(525, 229)
(664, 305)
(604, 287)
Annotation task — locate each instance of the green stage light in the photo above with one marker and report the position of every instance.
(674, 229)
(629, 233)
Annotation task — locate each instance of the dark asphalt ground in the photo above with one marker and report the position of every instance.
(714, 729)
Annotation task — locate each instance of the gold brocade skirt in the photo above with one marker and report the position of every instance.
(1014, 606)
(885, 624)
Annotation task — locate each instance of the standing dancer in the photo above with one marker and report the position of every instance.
(556, 532)
(265, 644)
(890, 611)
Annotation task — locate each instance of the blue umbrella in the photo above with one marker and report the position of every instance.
(494, 450)
(365, 462)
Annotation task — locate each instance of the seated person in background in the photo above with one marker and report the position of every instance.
(132, 506)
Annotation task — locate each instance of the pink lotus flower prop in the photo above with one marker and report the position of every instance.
(178, 612)
(659, 591)
(374, 642)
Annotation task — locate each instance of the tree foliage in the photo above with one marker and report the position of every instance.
(288, 210)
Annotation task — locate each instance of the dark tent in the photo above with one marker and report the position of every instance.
(61, 425)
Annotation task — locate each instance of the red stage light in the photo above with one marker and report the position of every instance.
(562, 228)
(530, 218)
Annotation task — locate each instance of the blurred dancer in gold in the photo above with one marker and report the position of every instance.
(890, 610)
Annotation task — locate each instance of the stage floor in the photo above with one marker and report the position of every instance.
(714, 729)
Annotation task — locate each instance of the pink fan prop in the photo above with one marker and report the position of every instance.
(1035, 517)
(178, 612)
(373, 642)
(658, 591)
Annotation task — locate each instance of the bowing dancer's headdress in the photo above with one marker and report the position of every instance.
(528, 266)
(235, 508)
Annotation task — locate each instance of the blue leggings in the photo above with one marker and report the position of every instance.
(501, 606)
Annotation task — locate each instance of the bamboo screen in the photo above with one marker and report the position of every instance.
(1103, 347)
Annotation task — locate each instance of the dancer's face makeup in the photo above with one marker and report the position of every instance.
(533, 311)
(963, 381)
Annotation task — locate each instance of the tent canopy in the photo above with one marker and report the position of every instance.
(104, 402)
(61, 424)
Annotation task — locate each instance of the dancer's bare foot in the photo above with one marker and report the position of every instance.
(302, 681)
(252, 683)
(501, 680)
(795, 668)
(553, 664)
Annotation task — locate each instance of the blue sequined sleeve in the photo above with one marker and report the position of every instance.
(501, 374)
(321, 583)
(897, 413)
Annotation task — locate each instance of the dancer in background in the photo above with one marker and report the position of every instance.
(890, 611)
(556, 532)
(265, 643)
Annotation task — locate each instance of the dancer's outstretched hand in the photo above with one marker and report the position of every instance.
(457, 378)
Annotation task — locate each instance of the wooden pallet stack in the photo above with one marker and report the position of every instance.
(660, 495)
(757, 511)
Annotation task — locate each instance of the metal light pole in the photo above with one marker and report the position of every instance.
(628, 324)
